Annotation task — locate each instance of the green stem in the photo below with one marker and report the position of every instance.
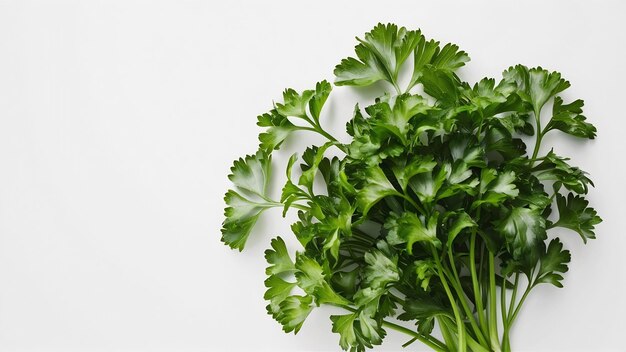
(456, 283)
(514, 296)
(413, 203)
(430, 342)
(446, 325)
(475, 346)
(318, 129)
(539, 136)
(300, 206)
(480, 127)
(455, 307)
(493, 314)
(397, 87)
(506, 341)
(519, 305)
(503, 313)
(478, 299)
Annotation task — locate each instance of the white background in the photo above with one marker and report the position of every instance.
(119, 122)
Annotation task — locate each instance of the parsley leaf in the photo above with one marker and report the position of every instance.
(294, 105)
(293, 312)
(380, 55)
(553, 264)
(245, 204)
(523, 229)
(377, 188)
(569, 119)
(409, 228)
(574, 214)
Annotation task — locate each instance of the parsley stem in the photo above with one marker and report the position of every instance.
(475, 346)
(300, 206)
(514, 296)
(446, 326)
(456, 283)
(503, 307)
(325, 134)
(493, 314)
(455, 307)
(413, 203)
(519, 305)
(430, 341)
(318, 129)
(476, 287)
(506, 343)
(539, 136)
(397, 87)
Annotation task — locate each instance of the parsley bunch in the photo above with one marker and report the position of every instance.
(435, 208)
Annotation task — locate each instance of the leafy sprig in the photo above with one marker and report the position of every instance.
(435, 205)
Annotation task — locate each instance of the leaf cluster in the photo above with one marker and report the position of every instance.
(435, 204)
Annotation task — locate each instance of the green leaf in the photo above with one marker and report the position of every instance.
(279, 129)
(367, 295)
(311, 279)
(277, 291)
(344, 326)
(380, 55)
(489, 98)
(278, 258)
(380, 270)
(517, 122)
(421, 305)
(358, 331)
(496, 187)
(427, 186)
(304, 229)
(429, 54)
(393, 116)
(462, 148)
(441, 85)
(523, 230)
(499, 139)
(458, 172)
(332, 244)
(322, 91)
(370, 329)
(293, 312)
(553, 264)
(405, 168)
(376, 188)
(311, 168)
(294, 104)
(291, 193)
(574, 214)
(425, 269)
(461, 221)
(555, 168)
(465, 156)
(569, 119)
(359, 72)
(250, 177)
(536, 85)
(409, 228)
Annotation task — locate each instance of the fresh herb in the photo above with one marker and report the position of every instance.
(435, 208)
